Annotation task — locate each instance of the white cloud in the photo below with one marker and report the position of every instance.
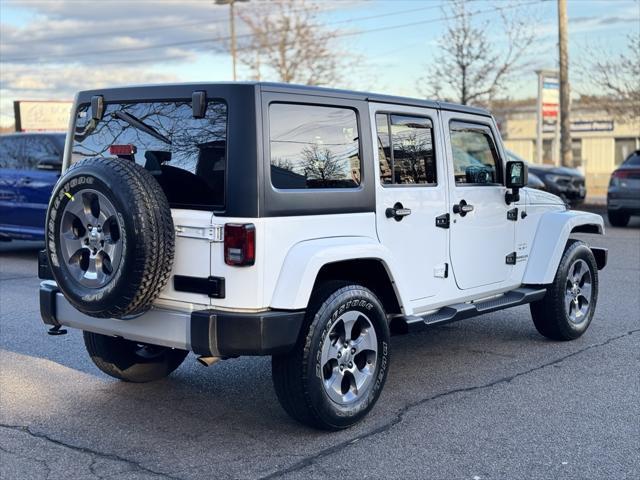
(61, 82)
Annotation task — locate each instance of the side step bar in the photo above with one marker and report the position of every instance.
(462, 311)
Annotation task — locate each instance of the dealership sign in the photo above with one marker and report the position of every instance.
(550, 97)
(582, 126)
(41, 116)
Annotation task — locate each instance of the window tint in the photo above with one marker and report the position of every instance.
(10, 152)
(411, 160)
(384, 149)
(186, 155)
(38, 148)
(313, 147)
(475, 160)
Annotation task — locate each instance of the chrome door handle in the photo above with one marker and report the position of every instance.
(398, 212)
(462, 208)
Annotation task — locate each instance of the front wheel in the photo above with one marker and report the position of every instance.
(566, 310)
(131, 361)
(334, 375)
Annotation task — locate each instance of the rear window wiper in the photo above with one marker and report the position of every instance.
(140, 125)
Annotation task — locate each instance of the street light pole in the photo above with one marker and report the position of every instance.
(565, 93)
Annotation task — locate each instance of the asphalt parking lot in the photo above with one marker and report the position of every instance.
(486, 398)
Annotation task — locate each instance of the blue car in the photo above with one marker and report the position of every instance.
(30, 165)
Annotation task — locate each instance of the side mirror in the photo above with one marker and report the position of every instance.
(517, 177)
(51, 164)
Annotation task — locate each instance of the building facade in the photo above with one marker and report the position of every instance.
(601, 141)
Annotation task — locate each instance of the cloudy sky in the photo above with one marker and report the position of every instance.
(51, 48)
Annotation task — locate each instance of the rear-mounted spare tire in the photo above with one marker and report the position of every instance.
(110, 237)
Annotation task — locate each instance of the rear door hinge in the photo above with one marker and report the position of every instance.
(511, 259)
(442, 221)
(512, 214)
(212, 233)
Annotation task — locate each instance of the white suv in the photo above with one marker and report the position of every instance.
(303, 223)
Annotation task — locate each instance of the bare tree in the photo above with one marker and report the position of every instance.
(615, 78)
(469, 68)
(321, 164)
(288, 45)
(409, 154)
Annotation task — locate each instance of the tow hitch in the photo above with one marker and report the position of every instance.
(56, 330)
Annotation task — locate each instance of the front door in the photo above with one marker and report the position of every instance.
(11, 173)
(410, 194)
(41, 164)
(482, 235)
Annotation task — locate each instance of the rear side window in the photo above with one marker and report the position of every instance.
(187, 155)
(313, 147)
(11, 152)
(475, 158)
(40, 149)
(405, 150)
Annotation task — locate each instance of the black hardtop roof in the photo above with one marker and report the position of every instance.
(371, 97)
(294, 89)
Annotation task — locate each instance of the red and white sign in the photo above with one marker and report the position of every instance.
(550, 97)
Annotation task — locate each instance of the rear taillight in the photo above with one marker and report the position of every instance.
(617, 178)
(239, 244)
(122, 150)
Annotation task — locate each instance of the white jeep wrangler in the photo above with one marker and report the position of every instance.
(303, 223)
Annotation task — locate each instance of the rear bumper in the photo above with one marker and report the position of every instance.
(204, 332)
(627, 203)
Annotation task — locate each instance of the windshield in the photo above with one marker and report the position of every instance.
(187, 155)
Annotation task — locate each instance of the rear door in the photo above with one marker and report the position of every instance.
(482, 236)
(410, 194)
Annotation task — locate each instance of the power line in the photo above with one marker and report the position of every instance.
(199, 41)
(160, 27)
(122, 32)
(344, 34)
(420, 22)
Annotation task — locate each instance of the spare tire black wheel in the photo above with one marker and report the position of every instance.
(110, 237)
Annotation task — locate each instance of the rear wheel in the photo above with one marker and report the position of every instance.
(567, 309)
(131, 361)
(618, 218)
(334, 375)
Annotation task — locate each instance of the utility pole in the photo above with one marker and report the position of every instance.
(566, 157)
(232, 30)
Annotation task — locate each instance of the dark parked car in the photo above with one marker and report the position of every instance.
(30, 165)
(535, 182)
(623, 197)
(567, 183)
